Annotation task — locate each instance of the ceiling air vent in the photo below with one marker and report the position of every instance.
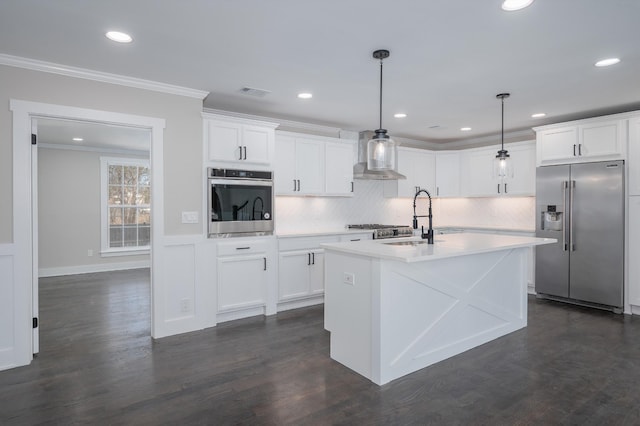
(251, 91)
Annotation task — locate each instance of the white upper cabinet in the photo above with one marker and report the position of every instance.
(447, 174)
(238, 142)
(419, 166)
(477, 175)
(479, 179)
(523, 181)
(313, 165)
(586, 140)
(299, 166)
(633, 168)
(339, 160)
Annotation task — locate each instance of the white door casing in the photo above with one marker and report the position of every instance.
(25, 222)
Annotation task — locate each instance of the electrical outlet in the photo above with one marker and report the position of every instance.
(189, 217)
(89, 252)
(185, 306)
(349, 278)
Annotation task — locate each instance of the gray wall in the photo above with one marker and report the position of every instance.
(69, 209)
(183, 177)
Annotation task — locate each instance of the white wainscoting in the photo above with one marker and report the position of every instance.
(12, 333)
(187, 297)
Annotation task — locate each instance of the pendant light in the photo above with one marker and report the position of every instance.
(381, 149)
(503, 167)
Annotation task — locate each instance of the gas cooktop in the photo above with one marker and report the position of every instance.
(385, 231)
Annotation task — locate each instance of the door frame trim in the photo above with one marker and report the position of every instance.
(25, 239)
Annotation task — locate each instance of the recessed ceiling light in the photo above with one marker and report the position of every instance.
(78, 139)
(607, 62)
(305, 95)
(511, 5)
(400, 115)
(119, 37)
(465, 129)
(538, 115)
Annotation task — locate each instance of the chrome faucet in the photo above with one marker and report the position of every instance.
(429, 235)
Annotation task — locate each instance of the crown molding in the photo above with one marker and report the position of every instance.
(103, 77)
(494, 139)
(288, 125)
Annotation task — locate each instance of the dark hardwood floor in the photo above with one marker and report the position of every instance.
(98, 365)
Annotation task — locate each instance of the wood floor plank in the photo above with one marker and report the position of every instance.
(98, 365)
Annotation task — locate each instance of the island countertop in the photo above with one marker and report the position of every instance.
(415, 249)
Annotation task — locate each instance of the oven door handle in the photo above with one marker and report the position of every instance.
(241, 182)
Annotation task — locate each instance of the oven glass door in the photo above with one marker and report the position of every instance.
(240, 205)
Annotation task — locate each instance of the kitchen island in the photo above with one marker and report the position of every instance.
(396, 306)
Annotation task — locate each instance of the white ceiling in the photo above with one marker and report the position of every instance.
(448, 58)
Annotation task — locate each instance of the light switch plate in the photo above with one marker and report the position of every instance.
(349, 278)
(189, 217)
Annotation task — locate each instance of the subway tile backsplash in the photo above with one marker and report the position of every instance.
(311, 214)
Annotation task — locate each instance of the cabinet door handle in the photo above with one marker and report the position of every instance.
(243, 248)
(240, 152)
(574, 149)
(245, 152)
(308, 258)
(298, 184)
(356, 239)
(351, 186)
(313, 258)
(265, 263)
(294, 185)
(498, 188)
(437, 191)
(505, 188)
(579, 149)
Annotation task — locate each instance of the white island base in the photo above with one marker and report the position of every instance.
(392, 310)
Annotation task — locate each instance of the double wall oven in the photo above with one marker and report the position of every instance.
(240, 202)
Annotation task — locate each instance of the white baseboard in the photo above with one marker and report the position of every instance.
(635, 310)
(295, 304)
(86, 269)
(241, 313)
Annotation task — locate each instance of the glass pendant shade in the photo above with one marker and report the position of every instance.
(503, 167)
(381, 152)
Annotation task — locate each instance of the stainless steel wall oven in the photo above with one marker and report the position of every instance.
(240, 202)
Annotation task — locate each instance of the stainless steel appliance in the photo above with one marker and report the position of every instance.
(240, 202)
(582, 205)
(385, 231)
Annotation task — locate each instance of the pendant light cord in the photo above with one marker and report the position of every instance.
(380, 94)
(502, 131)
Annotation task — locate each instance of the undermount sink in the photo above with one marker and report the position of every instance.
(406, 243)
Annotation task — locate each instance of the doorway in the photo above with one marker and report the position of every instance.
(25, 224)
(91, 202)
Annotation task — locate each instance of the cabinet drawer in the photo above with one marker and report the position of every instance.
(232, 248)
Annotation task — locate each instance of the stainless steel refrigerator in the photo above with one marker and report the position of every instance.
(582, 205)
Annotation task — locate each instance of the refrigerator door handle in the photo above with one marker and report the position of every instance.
(565, 184)
(572, 186)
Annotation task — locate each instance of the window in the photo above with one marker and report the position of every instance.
(126, 206)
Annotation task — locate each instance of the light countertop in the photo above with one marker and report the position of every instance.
(319, 233)
(448, 245)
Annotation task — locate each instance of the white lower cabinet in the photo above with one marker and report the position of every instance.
(301, 268)
(301, 274)
(245, 277)
(242, 282)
